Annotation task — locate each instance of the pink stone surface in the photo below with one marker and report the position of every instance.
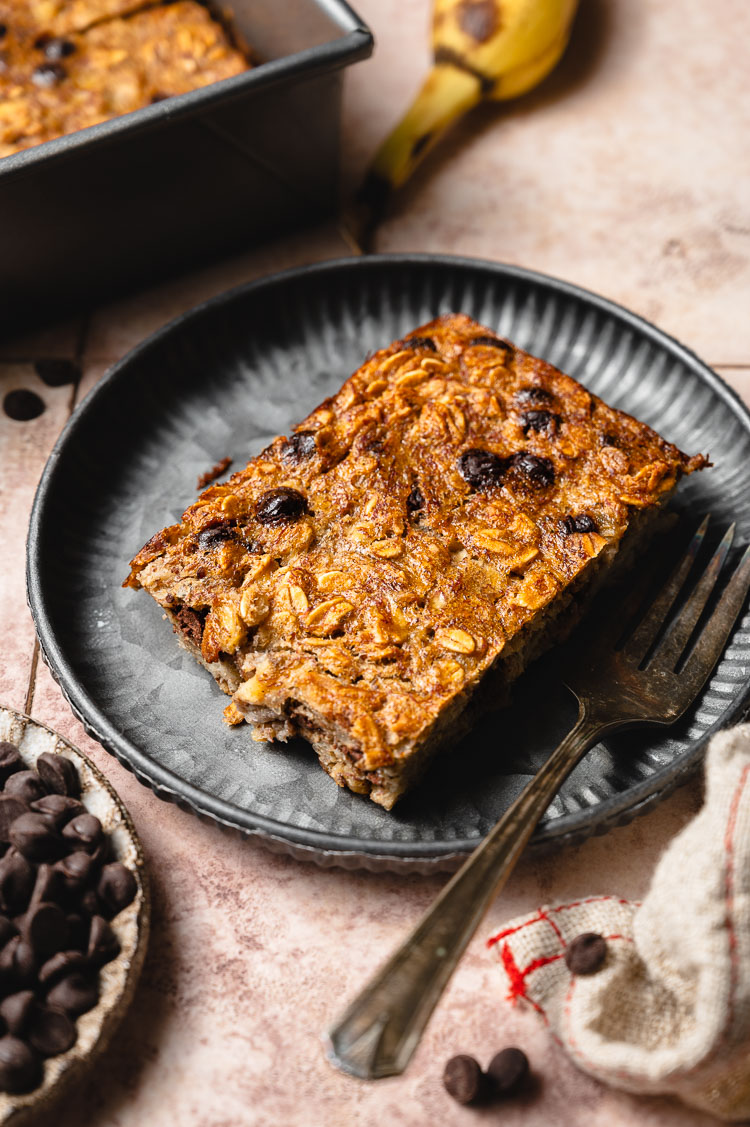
(626, 172)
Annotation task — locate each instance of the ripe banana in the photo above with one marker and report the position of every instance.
(482, 49)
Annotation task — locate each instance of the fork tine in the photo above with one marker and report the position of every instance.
(713, 638)
(643, 636)
(669, 652)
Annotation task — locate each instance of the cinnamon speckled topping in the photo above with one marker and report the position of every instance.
(450, 494)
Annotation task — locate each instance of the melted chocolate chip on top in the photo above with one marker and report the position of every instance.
(545, 422)
(48, 74)
(533, 397)
(216, 533)
(582, 523)
(56, 49)
(277, 506)
(415, 501)
(481, 468)
(535, 471)
(299, 446)
(492, 342)
(420, 342)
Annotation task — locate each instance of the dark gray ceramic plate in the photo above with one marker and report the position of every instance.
(223, 380)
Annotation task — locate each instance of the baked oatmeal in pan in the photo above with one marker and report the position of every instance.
(59, 75)
(408, 549)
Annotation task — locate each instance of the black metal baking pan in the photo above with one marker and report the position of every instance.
(122, 204)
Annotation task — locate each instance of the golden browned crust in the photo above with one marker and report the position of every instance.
(52, 86)
(426, 516)
(61, 17)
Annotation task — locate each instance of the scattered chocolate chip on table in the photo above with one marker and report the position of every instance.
(506, 1075)
(586, 954)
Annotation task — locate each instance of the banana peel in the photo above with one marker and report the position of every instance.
(483, 50)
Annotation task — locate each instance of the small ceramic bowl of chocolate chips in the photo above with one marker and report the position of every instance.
(73, 913)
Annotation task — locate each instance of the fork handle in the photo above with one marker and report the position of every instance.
(380, 1030)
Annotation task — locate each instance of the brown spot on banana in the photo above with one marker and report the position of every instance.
(478, 18)
(448, 57)
(421, 144)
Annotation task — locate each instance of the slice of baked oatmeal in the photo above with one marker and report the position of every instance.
(427, 530)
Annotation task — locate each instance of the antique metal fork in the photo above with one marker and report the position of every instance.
(646, 676)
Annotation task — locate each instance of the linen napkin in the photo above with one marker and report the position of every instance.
(668, 1010)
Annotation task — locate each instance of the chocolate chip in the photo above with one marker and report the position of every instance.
(582, 523)
(50, 1032)
(299, 446)
(15, 1010)
(481, 468)
(84, 832)
(116, 887)
(101, 854)
(3, 30)
(7, 930)
(60, 965)
(492, 342)
(609, 440)
(78, 932)
(533, 470)
(191, 622)
(20, 1068)
(74, 995)
(75, 870)
(45, 928)
(10, 809)
(22, 405)
(34, 838)
(420, 342)
(545, 422)
(17, 963)
(464, 1080)
(586, 953)
(58, 809)
(103, 945)
(277, 506)
(49, 885)
(24, 785)
(48, 74)
(16, 882)
(90, 903)
(57, 48)
(415, 501)
(508, 1071)
(57, 373)
(58, 774)
(216, 533)
(532, 397)
(10, 760)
